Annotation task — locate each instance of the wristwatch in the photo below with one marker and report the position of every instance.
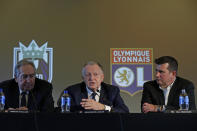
(105, 108)
(158, 108)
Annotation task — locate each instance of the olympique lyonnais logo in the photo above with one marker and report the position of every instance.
(124, 76)
(130, 68)
(42, 58)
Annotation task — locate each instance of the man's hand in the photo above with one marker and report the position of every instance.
(91, 104)
(149, 108)
(17, 109)
(24, 108)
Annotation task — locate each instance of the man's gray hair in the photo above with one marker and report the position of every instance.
(22, 63)
(91, 63)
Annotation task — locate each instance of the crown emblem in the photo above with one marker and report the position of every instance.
(42, 57)
(33, 51)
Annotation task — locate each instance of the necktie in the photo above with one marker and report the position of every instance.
(23, 99)
(93, 95)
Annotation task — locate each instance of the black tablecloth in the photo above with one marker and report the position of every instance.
(98, 122)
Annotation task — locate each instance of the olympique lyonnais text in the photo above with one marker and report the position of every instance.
(132, 56)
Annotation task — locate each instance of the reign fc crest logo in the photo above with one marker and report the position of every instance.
(42, 57)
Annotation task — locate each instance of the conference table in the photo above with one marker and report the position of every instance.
(98, 121)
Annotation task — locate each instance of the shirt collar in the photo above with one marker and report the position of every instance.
(20, 91)
(90, 91)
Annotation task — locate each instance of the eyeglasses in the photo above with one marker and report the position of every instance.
(25, 76)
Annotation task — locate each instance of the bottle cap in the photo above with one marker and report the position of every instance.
(65, 91)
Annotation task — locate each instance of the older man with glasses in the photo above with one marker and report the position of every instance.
(26, 92)
(93, 94)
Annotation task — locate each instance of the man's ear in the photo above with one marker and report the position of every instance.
(174, 73)
(102, 77)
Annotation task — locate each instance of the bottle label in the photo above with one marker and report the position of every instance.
(181, 100)
(186, 99)
(68, 101)
(2, 100)
(62, 101)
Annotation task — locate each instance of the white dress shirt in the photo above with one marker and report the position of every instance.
(166, 92)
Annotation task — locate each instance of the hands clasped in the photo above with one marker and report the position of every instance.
(148, 108)
(91, 104)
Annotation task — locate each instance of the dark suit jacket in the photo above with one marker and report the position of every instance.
(109, 95)
(152, 94)
(40, 98)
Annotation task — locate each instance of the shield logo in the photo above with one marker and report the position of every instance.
(42, 57)
(131, 68)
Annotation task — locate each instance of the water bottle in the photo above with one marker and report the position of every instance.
(183, 100)
(187, 102)
(65, 102)
(2, 100)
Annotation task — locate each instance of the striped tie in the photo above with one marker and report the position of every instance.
(93, 95)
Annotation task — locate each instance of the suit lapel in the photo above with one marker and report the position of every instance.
(14, 95)
(83, 94)
(160, 96)
(32, 102)
(172, 93)
(104, 96)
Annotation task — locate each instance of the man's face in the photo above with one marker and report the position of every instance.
(93, 76)
(26, 78)
(164, 77)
